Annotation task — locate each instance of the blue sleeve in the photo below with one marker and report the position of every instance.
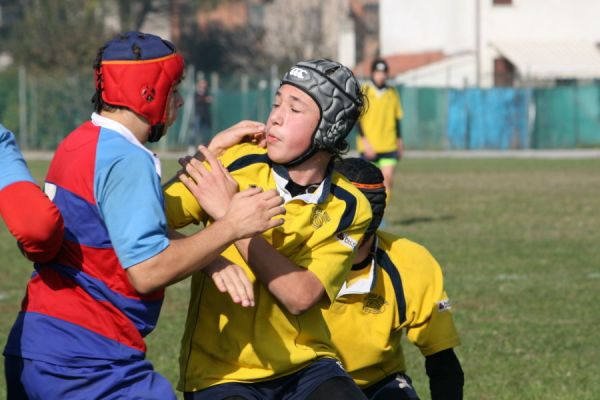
(130, 200)
(12, 165)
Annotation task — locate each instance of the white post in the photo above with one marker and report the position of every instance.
(23, 139)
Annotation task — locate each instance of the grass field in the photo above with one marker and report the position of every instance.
(519, 244)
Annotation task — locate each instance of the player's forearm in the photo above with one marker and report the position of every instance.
(296, 288)
(183, 256)
(446, 378)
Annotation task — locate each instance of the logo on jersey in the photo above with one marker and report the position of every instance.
(373, 303)
(299, 73)
(50, 190)
(443, 305)
(346, 240)
(318, 217)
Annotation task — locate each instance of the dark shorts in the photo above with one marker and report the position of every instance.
(394, 387)
(30, 379)
(297, 386)
(383, 159)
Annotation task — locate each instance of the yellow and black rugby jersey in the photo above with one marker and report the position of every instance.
(378, 123)
(224, 342)
(403, 289)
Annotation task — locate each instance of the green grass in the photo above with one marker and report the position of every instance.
(518, 243)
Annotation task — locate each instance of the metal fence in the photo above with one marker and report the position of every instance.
(42, 109)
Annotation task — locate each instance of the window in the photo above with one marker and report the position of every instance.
(504, 72)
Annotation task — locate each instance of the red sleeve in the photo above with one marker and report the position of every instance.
(32, 219)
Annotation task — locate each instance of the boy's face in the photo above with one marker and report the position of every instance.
(174, 102)
(291, 124)
(379, 77)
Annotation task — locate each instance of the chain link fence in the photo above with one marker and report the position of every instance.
(43, 109)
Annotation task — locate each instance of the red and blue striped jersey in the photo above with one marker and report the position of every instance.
(80, 308)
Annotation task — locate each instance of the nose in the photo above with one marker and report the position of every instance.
(276, 116)
(178, 100)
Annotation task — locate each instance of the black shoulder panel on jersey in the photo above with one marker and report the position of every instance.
(392, 271)
(349, 212)
(247, 160)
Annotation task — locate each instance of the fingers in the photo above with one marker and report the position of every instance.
(228, 175)
(196, 170)
(274, 223)
(240, 132)
(219, 282)
(234, 281)
(275, 211)
(240, 283)
(247, 287)
(210, 157)
(183, 161)
(261, 141)
(250, 133)
(272, 198)
(190, 183)
(248, 122)
(198, 155)
(251, 191)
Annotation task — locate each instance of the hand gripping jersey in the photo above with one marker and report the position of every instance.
(378, 123)
(80, 309)
(224, 342)
(403, 290)
(29, 215)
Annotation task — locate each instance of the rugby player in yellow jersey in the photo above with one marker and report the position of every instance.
(380, 126)
(280, 348)
(395, 285)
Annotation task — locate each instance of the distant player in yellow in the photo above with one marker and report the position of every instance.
(280, 348)
(395, 285)
(380, 127)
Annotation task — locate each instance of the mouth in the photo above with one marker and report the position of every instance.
(272, 138)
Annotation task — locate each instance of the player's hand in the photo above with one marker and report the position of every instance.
(368, 150)
(244, 131)
(214, 188)
(253, 211)
(231, 278)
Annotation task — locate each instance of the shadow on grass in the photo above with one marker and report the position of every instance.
(418, 220)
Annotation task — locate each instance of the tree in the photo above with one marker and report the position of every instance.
(303, 30)
(63, 34)
(214, 45)
(52, 34)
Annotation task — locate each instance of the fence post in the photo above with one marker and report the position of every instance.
(185, 129)
(576, 114)
(214, 109)
(244, 90)
(23, 134)
(274, 83)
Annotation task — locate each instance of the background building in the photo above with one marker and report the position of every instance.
(493, 42)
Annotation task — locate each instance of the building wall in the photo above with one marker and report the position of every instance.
(408, 26)
(414, 26)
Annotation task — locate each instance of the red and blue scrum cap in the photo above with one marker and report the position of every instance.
(137, 70)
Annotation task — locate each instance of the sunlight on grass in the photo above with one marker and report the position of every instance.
(518, 243)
